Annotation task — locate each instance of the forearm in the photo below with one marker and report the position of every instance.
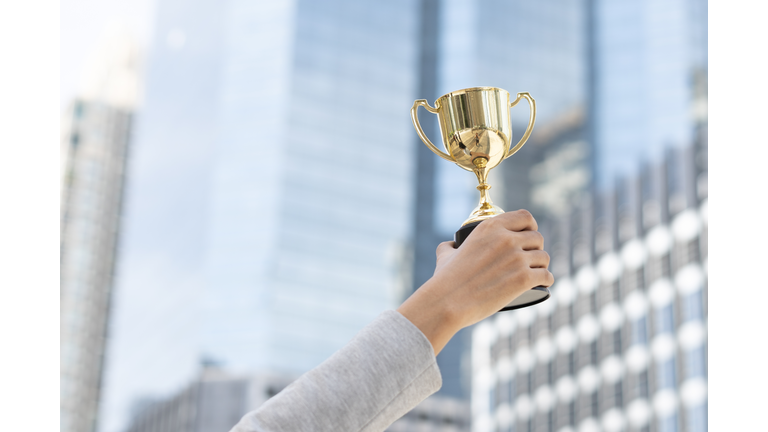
(385, 371)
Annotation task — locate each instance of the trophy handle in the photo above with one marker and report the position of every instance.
(532, 120)
(422, 135)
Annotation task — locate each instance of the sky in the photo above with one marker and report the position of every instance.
(86, 23)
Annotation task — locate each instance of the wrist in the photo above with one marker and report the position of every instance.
(435, 317)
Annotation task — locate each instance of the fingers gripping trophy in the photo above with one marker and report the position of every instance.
(477, 134)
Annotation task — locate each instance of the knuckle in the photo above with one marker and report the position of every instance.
(517, 260)
(525, 213)
(510, 242)
(528, 217)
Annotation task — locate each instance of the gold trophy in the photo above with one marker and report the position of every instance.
(477, 134)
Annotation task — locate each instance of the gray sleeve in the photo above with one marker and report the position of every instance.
(384, 372)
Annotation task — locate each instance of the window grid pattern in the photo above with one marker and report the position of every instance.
(618, 348)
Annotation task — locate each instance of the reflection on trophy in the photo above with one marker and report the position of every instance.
(477, 135)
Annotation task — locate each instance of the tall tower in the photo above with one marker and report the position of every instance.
(271, 196)
(95, 139)
(521, 46)
(648, 79)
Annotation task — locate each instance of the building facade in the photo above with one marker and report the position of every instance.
(214, 401)
(647, 80)
(621, 345)
(518, 46)
(95, 141)
(217, 400)
(271, 197)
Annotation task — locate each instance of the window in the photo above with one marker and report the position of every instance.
(505, 392)
(668, 424)
(667, 378)
(694, 363)
(550, 372)
(693, 306)
(617, 341)
(641, 387)
(529, 382)
(618, 394)
(640, 331)
(551, 421)
(512, 393)
(665, 319)
(492, 400)
(696, 420)
(594, 404)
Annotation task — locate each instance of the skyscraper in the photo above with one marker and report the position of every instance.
(518, 46)
(271, 196)
(536, 47)
(648, 73)
(95, 142)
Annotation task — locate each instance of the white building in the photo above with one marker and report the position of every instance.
(94, 146)
(622, 344)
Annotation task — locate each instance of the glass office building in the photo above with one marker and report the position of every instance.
(270, 197)
(648, 75)
(518, 46)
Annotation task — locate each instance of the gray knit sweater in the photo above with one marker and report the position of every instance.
(385, 371)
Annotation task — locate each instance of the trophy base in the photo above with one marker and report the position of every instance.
(531, 297)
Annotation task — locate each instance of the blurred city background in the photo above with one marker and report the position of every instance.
(243, 191)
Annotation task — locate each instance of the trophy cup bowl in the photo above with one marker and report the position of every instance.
(477, 136)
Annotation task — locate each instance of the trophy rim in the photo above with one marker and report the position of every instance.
(469, 89)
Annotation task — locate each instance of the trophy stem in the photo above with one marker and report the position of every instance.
(485, 196)
(485, 209)
(482, 177)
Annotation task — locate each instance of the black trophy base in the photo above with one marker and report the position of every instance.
(531, 297)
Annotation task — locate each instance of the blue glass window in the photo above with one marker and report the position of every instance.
(667, 376)
(640, 331)
(665, 319)
(694, 363)
(668, 424)
(696, 420)
(505, 392)
(693, 306)
(492, 399)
